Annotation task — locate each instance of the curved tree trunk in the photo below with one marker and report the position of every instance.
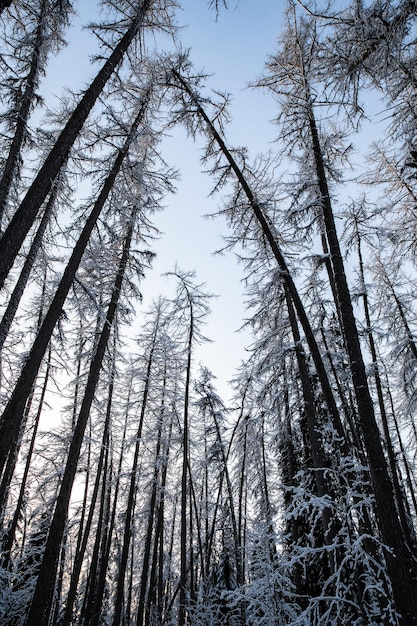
(285, 273)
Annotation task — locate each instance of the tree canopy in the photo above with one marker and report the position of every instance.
(137, 486)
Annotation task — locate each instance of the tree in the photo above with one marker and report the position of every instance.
(190, 300)
(12, 415)
(43, 24)
(42, 599)
(299, 54)
(35, 196)
(130, 492)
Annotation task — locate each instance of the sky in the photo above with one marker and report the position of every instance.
(231, 47)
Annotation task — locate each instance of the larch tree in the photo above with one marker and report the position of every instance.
(34, 32)
(27, 211)
(130, 493)
(300, 52)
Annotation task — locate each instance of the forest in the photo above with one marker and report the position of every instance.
(132, 491)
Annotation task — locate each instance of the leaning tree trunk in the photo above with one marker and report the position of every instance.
(285, 273)
(23, 219)
(401, 566)
(156, 594)
(318, 456)
(12, 456)
(402, 570)
(406, 463)
(30, 258)
(11, 419)
(26, 102)
(231, 498)
(42, 598)
(398, 492)
(85, 532)
(11, 531)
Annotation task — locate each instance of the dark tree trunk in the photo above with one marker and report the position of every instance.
(399, 495)
(132, 487)
(285, 274)
(12, 306)
(23, 219)
(26, 103)
(401, 567)
(11, 460)
(145, 575)
(317, 452)
(42, 598)
(112, 514)
(82, 544)
(11, 419)
(229, 487)
(91, 611)
(408, 470)
(182, 611)
(11, 531)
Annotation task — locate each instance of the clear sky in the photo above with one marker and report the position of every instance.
(233, 48)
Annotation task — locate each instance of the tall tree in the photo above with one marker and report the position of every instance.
(190, 301)
(43, 594)
(12, 415)
(35, 196)
(299, 54)
(39, 32)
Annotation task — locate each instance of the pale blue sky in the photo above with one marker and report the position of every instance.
(233, 48)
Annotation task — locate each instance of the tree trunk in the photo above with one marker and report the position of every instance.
(285, 274)
(12, 456)
(144, 580)
(133, 486)
(317, 452)
(23, 219)
(100, 476)
(114, 508)
(11, 419)
(12, 306)
(408, 531)
(402, 570)
(182, 611)
(92, 598)
(11, 531)
(26, 103)
(42, 598)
